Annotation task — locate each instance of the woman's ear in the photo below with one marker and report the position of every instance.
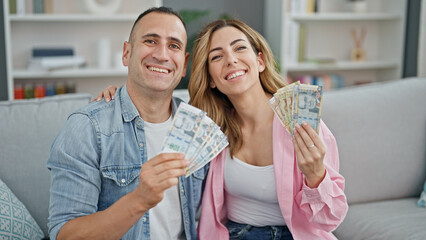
(212, 85)
(261, 62)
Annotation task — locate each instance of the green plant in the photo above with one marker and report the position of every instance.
(190, 16)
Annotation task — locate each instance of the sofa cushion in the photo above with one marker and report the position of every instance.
(380, 132)
(390, 220)
(422, 199)
(27, 130)
(15, 220)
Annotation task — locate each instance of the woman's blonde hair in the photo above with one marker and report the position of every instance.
(211, 100)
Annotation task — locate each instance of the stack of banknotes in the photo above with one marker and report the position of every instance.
(298, 103)
(195, 134)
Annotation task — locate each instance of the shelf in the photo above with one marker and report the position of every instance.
(72, 18)
(341, 66)
(344, 17)
(70, 73)
(64, 25)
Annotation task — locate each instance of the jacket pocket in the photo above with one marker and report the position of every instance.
(121, 175)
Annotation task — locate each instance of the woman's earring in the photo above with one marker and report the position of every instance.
(261, 69)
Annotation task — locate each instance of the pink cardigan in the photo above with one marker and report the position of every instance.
(308, 213)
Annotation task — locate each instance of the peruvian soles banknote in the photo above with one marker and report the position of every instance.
(195, 134)
(298, 103)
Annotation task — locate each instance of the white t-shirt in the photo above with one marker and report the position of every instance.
(165, 219)
(250, 194)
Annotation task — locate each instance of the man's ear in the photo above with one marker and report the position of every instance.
(186, 64)
(261, 62)
(126, 53)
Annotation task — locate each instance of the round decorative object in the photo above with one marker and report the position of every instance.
(359, 6)
(102, 6)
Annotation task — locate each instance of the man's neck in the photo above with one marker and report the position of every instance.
(153, 108)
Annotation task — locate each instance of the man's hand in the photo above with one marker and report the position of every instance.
(159, 174)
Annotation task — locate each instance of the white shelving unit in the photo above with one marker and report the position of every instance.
(315, 17)
(328, 36)
(70, 25)
(71, 18)
(341, 65)
(69, 73)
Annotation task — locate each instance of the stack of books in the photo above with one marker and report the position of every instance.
(39, 90)
(52, 58)
(326, 81)
(21, 7)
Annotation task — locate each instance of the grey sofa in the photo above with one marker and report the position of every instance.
(27, 129)
(381, 134)
(380, 130)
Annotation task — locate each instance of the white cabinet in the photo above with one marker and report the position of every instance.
(70, 25)
(321, 42)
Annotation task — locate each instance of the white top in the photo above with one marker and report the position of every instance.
(165, 219)
(250, 194)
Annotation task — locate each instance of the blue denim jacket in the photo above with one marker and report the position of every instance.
(96, 159)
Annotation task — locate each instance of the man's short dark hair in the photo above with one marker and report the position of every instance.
(165, 10)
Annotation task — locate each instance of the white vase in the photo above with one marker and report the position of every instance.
(102, 7)
(104, 53)
(359, 6)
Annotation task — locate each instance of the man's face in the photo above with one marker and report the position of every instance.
(156, 56)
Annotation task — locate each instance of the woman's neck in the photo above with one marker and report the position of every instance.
(252, 107)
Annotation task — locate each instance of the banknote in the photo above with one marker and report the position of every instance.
(309, 104)
(185, 126)
(207, 129)
(204, 152)
(195, 134)
(290, 100)
(211, 150)
(298, 103)
(275, 105)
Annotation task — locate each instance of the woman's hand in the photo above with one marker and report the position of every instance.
(108, 93)
(310, 153)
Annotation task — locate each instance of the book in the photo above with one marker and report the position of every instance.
(57, 62)
(52, 51)
(326, 81)
(302, 43)
(20, 7)
(12, 6)
(291, 51)
(48, 6)
(38, 6)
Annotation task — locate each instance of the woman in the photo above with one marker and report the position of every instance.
(265, 185)
(265, 180)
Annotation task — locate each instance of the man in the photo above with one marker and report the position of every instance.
(108, 180)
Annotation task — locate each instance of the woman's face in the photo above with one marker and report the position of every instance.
(233, 64)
